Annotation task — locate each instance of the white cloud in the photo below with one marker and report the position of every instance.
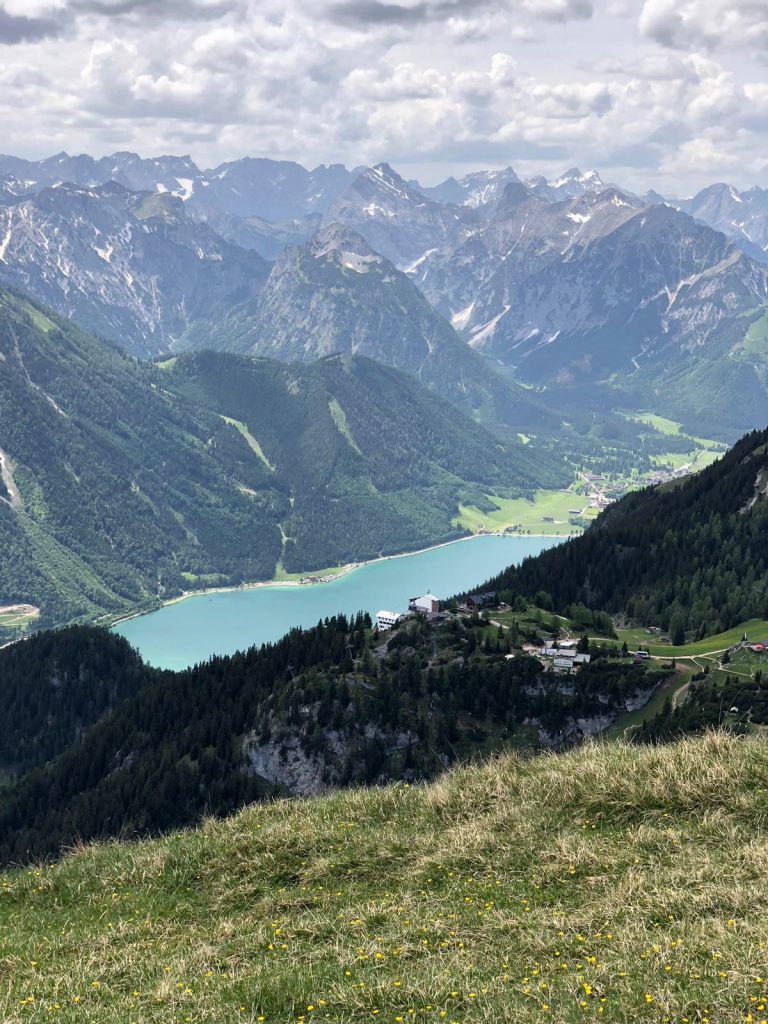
(712, 156)
(708, 24)
(464, 82)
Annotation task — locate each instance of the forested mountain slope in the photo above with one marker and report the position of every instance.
(695, 551)
(371, 460)
(332, 706)
(123, 483)
(58, 684)
(117, 489)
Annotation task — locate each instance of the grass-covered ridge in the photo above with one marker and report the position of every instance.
(614, 883)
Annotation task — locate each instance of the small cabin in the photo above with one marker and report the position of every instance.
(476, 602)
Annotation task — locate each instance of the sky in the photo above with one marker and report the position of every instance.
(664, 94)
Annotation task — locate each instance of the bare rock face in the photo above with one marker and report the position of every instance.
(130, 267)
(337, 294)
(595, 285)
(397, 219)
(742, 216)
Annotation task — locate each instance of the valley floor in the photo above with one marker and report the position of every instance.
(569, 511)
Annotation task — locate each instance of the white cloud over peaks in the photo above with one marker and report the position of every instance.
(708, 24)
(711, 156)
(441, 84)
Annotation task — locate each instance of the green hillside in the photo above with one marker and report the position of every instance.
(372, 462)
(118, 489)
(690, 557)
(122, 483)
(612, 884)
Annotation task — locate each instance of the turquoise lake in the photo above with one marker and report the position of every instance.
(191, 631)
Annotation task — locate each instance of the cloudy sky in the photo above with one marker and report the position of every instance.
(670, 94)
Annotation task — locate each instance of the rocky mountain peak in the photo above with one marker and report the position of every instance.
(382, 180)
(574, 174)
(513, 196)
(483, 188)
(345, 246)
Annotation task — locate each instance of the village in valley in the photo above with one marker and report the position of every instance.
(562, 513)
(595, 487)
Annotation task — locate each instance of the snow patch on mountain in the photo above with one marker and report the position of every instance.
(187, 187)
(421, 260)
(486, 331)
(6, 241)
(360, 264)
(460, 320)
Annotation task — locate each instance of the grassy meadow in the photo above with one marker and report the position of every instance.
(548, 513)
(613, 883)
(753, 629)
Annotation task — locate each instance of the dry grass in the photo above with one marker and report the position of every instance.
(612, 884)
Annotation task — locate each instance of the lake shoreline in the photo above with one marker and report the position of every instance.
(184, 633)
(344, 570)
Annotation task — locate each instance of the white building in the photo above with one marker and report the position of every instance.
(427, 604)
(386, 620)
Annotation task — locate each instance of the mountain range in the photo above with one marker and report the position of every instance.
(129, 266)
(559, 284)
(134, 268)
(269, 192)
(742, 216)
